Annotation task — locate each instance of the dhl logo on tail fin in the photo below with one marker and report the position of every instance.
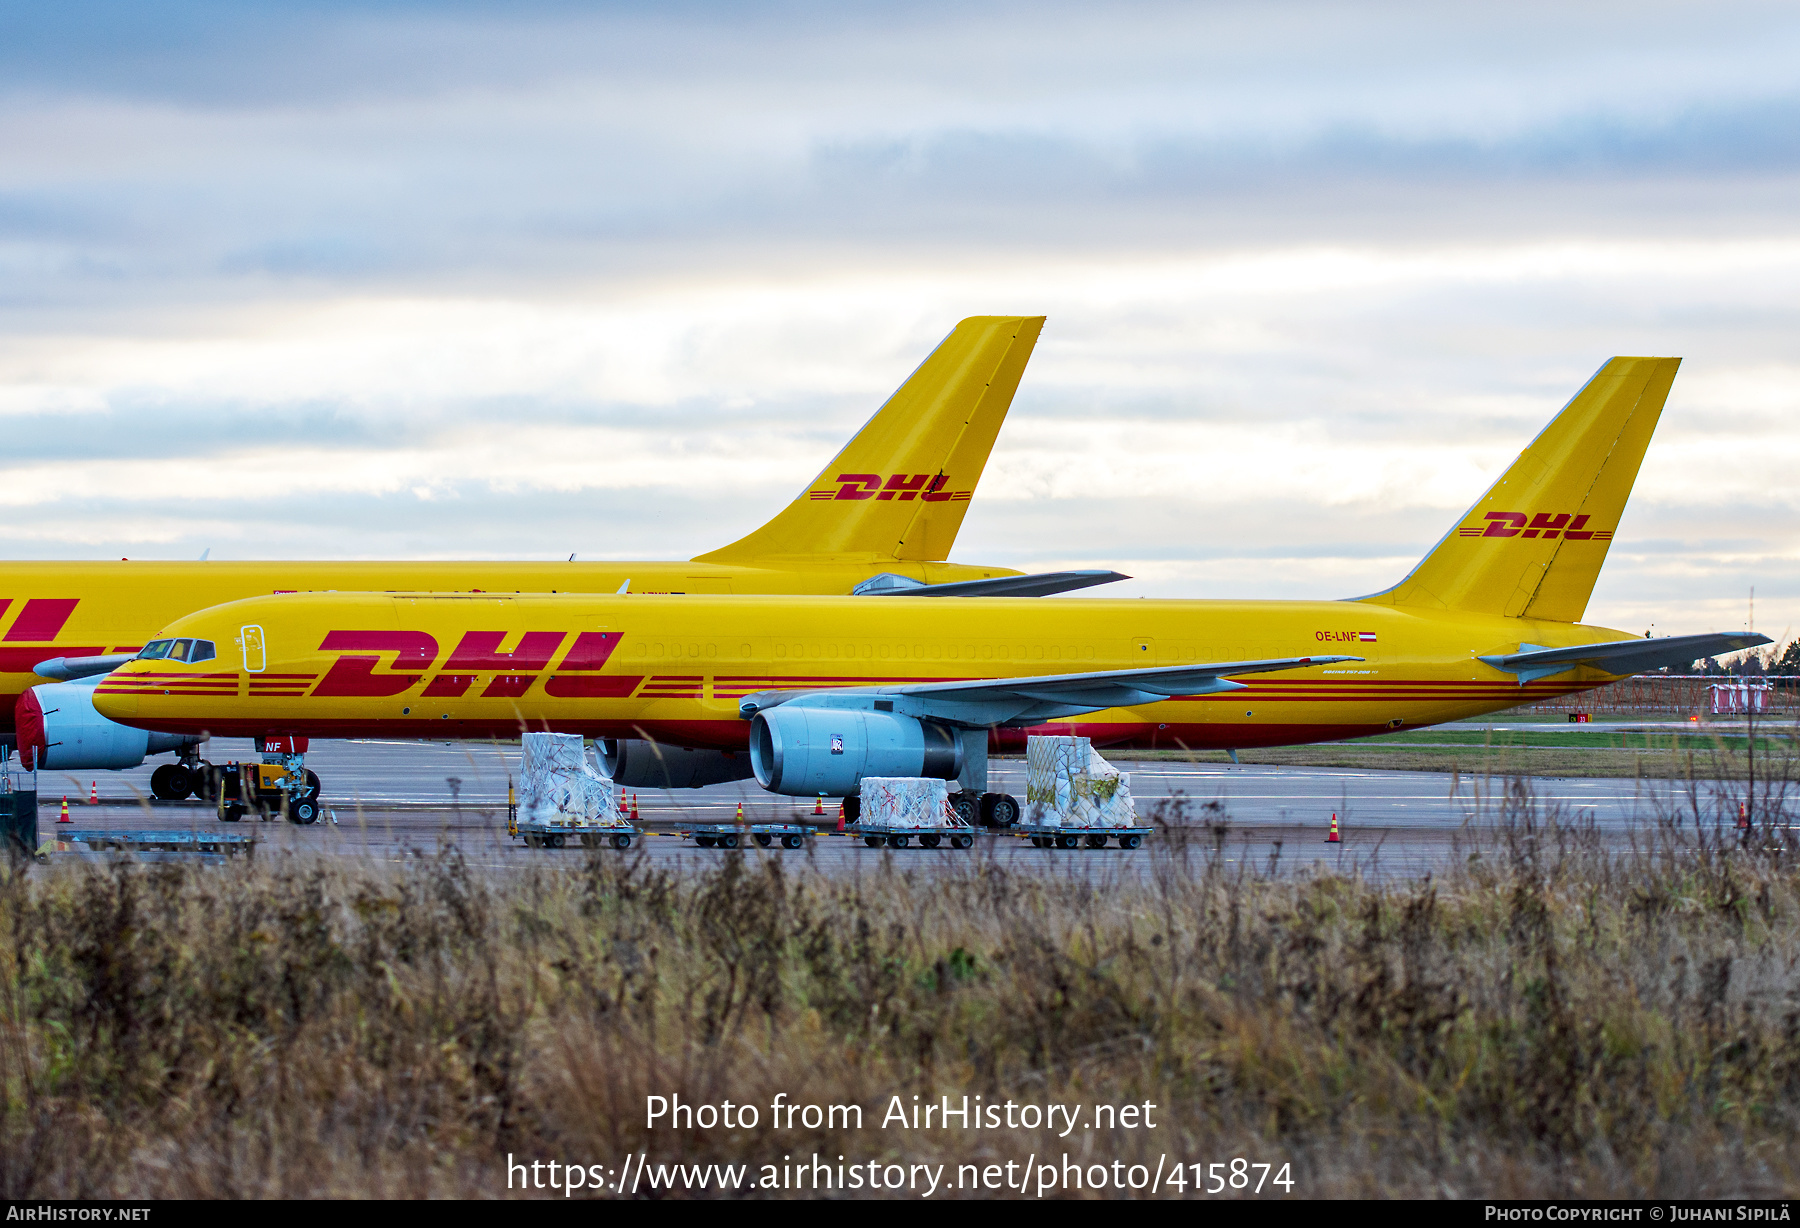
(899, 490)
(1548, 524)
(1543, 563)
(899, 486)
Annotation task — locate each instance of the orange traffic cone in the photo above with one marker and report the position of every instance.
(65, 812)
(840, 818)
(1743, 816)
(634, 809)
(1331, 837)
(94, 793)
(740, 817)
(819, 805)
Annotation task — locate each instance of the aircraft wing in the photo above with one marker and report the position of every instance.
(66, 669)
(1531, 662)
(1044, 584)
(980, 702)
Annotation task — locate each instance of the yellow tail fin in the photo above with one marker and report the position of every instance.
(1532, 546)
(900, 488)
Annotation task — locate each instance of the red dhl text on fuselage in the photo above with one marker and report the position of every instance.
(674, 668)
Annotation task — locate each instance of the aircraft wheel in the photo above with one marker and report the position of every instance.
(1130, 842)
(873, 842)
(961, 841)
(999, 810)
(170, 783)
(764, 838)
(1096, 842)
(967, 807)
(305, 812)
(897, 842)
(791, 841)
(930, 840)
(621, 841)
(729, 842)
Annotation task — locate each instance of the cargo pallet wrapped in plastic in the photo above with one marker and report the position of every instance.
(1073, 796)
(562, 795)
(896, 809)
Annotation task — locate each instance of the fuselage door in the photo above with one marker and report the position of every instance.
(256, 659)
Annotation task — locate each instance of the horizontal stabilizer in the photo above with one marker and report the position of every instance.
(1620, 656)
(67, 669)
(986, 702)
(1044, 584)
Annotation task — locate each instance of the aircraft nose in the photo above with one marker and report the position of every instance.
(120, 695)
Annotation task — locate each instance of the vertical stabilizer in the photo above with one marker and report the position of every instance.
(900, 488)
(1533, 545)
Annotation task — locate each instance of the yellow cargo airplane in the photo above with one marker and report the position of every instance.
(822, 691)
(880, 519)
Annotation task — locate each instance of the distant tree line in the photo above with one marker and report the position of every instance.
(1753, 664)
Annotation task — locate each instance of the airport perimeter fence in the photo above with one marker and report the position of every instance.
(1683, 695)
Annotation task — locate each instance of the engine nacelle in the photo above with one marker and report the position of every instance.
(59, 730)
(638, 764)
(804, 752)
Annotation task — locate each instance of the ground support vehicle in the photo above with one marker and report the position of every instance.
(1044, 836)
(729, 835)
(545, 834)
(191, 841)
(958, 834)
(265, 790)
(975, 809)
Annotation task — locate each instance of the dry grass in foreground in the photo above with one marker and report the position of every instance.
(1547, 1019)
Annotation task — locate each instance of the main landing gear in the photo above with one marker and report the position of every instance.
(187, 777)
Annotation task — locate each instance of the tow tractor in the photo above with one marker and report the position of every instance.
(278, 787)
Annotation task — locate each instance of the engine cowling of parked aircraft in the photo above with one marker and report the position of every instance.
(60, 731)
(804, 752)
(639, 764)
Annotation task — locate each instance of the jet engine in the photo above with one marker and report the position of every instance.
(59, 730)
(804, 752)
(639, 764)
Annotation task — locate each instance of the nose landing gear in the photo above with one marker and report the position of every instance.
(280, 786)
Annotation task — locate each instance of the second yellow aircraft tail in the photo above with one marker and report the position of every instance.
(900, 488)
(1533, 545)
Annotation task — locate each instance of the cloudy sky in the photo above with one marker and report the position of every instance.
(514, 280)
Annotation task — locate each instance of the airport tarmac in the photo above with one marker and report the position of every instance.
(393, 800)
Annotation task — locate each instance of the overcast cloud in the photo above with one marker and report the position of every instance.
(403, 280)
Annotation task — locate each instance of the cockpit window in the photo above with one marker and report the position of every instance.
(190, 651)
